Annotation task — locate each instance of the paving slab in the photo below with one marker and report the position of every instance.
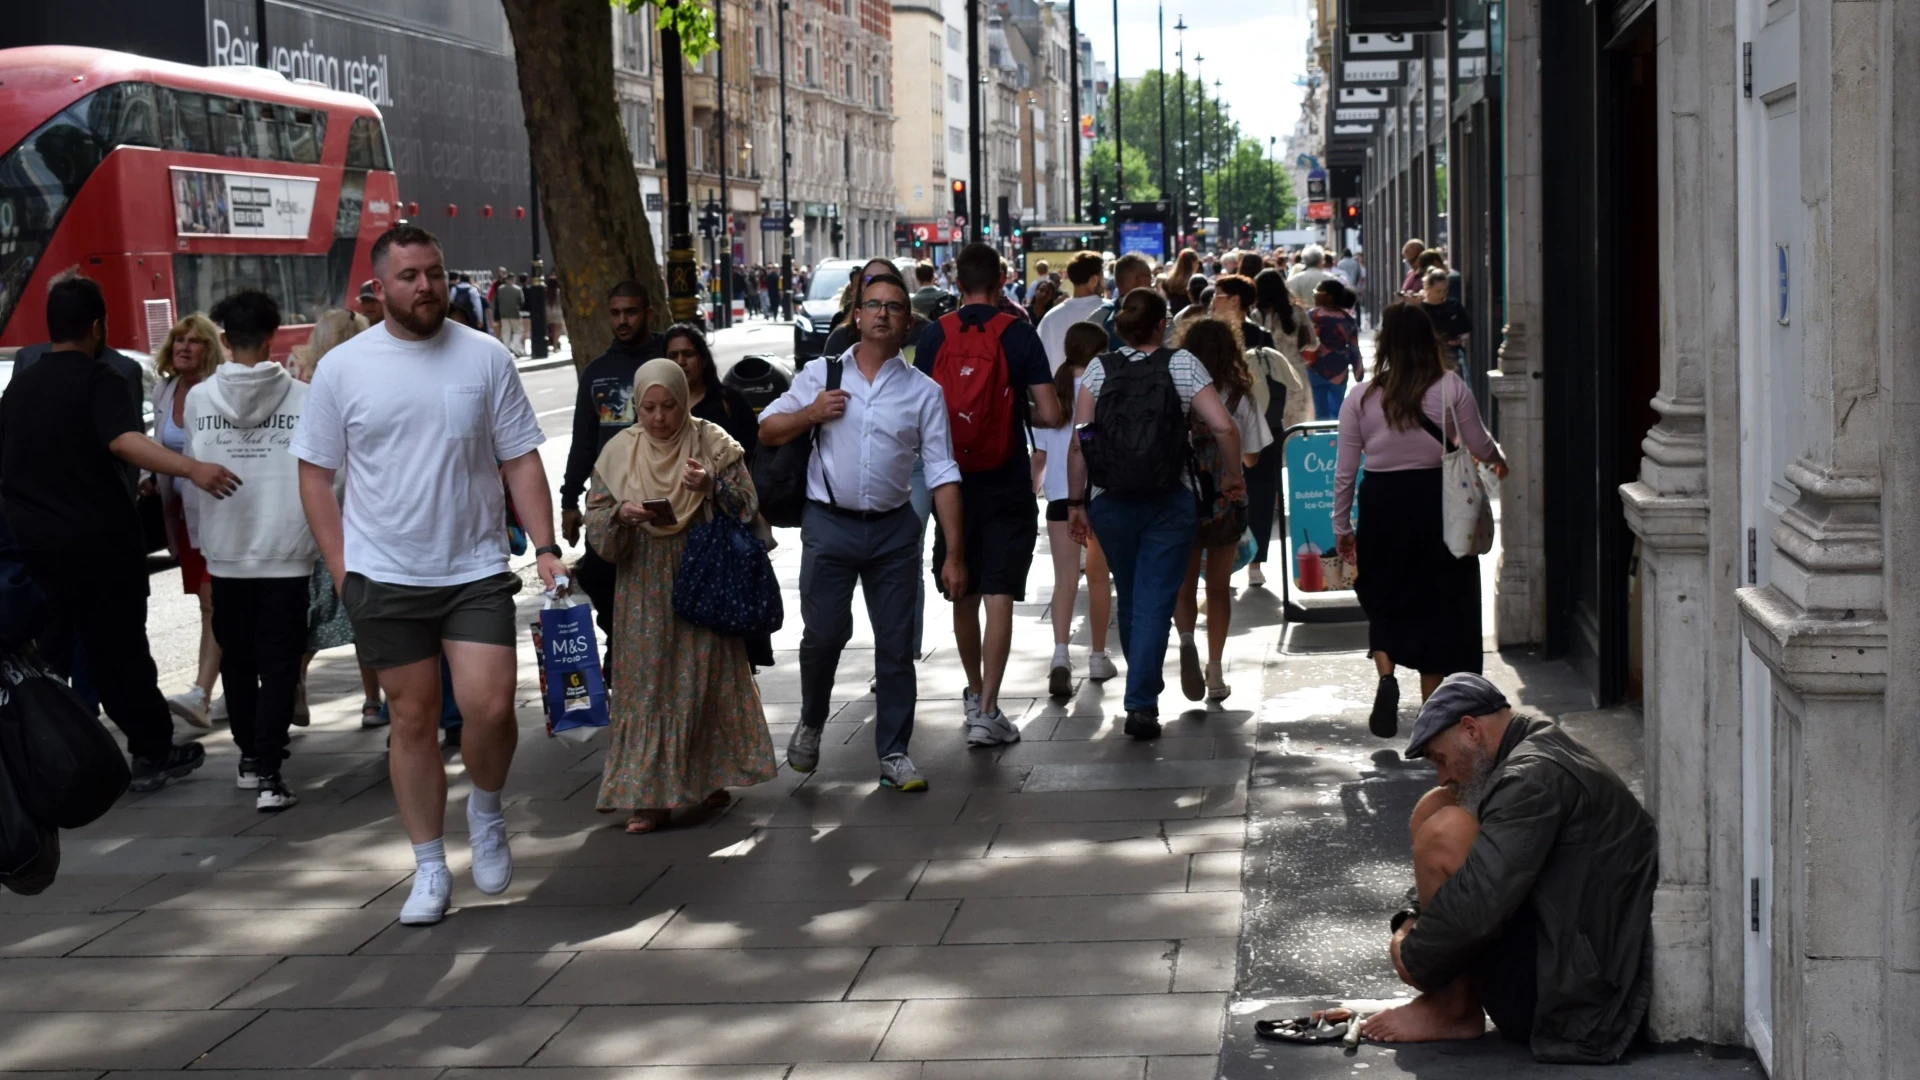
(1096, 918)
(607, 844)
(154, 855)
(838, 882)
(53, 934)
(73, 892)
(1202, 1067)
(1136, 775)
(736, 925)
(399, 982)
(113, 1040)
(75, 984)
(292, 1074)
(1027, 839)
(1109, 1068)
(551, 886)
(1082, 873)
(1121, 967)
(522, 929)
(260, 890)
(348, 849)
(721, 1034)
(384, 1038)
(997, 806)
(637, 1072)
(313, 931)
(1118, 1025)
(690, 976)
(1205, 964)
(865, 843)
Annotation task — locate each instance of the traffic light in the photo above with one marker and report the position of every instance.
(1006, 216)
(839, 233)
(1351, 218)
(960, 197)
(1017, 229)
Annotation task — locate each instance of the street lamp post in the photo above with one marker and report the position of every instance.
(1273, 198)
(1119, 95)
(786, 160)
(725, 316)
(1160, 88)
(1200, 128)
(978, 138)
(1073, 76)
(683, 276)
(1180, 58)
(1223, 162)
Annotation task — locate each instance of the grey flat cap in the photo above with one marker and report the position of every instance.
(1460, 694)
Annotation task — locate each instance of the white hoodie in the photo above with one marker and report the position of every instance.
(244, 418)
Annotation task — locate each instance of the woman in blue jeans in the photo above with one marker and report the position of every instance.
(1339, 355)
(1147, 536)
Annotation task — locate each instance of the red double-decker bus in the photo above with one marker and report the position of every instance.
(173, 186)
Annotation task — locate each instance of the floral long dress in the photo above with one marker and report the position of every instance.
(685, 711)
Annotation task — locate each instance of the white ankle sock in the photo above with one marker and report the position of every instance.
(433, 851)
(1060, 655)
(1186, 638)
(484, 803)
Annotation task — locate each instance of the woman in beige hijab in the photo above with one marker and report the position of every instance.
(686, 717)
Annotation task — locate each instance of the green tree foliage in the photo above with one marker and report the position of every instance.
(693, 21)
(1216, 152)
(1097, 169)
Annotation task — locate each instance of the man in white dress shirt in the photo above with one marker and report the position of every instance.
(859, 523)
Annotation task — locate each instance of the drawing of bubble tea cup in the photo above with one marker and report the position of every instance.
(1309, 571)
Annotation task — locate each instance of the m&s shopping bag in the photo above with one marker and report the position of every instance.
(575, 694)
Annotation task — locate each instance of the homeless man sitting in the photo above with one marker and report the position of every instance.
(1534, 869)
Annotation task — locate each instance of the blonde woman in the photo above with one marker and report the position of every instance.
(188, 355)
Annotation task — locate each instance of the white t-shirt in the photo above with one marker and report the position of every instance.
(1053, 325)
(1057, 442)
(421, 428)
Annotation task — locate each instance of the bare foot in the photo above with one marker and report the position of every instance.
(717, 800)
(1424, 1019)
(646, 821)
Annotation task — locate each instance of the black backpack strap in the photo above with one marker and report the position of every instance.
(835, 368)
(1433, 429)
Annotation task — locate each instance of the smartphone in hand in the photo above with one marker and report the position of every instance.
(661, 509)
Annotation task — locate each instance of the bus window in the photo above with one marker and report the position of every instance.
(367, 145)
(306, 132)
(124, 115)
(37, 180)
(227, 122)
(303, 285)
(183, 121)
(267, 142)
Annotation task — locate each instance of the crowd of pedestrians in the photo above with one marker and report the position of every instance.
(1136, 410)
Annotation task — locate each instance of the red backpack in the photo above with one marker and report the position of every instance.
(972, 372)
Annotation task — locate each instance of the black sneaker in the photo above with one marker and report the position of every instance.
(1143, 725)
(1385, 721)
(274, 796)
(152, 775)
(247, 775)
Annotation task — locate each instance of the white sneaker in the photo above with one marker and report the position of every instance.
(970, 707)
(427, 903)
(218, 710)
(274, 796)
(247, 775)
(1060, 676)
(992, 729)
(898, 773)
(192, 707)
(1256, 578)
(492, 859)
(1100, 667)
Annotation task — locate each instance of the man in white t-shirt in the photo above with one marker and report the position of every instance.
(1085, 305)
(428, 417)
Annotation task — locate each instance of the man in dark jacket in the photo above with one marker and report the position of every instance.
(604, 408)
(1534, 868)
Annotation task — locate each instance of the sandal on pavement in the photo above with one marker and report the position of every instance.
(1324, 1027)
(645, 821)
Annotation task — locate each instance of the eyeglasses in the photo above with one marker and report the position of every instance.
(891, 307)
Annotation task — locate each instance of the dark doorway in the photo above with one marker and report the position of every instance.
(1602, 332)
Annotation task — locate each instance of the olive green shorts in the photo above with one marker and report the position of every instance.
(396, 625)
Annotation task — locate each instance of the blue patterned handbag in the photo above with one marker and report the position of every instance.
(726, 581)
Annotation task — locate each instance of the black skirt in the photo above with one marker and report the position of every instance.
(1422, 603)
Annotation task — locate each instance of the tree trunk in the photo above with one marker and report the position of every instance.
(588, 191)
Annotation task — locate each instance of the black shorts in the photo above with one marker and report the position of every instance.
(1506, 977)
(1056, 510)
(396, 625)
(999, 523)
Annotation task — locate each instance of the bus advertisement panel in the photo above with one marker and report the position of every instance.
(241, 204)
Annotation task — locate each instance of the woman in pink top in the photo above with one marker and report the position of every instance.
(1422, 603)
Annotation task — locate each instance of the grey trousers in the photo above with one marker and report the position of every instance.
(883, 556)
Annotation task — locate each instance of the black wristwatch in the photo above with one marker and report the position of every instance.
(548, 549)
